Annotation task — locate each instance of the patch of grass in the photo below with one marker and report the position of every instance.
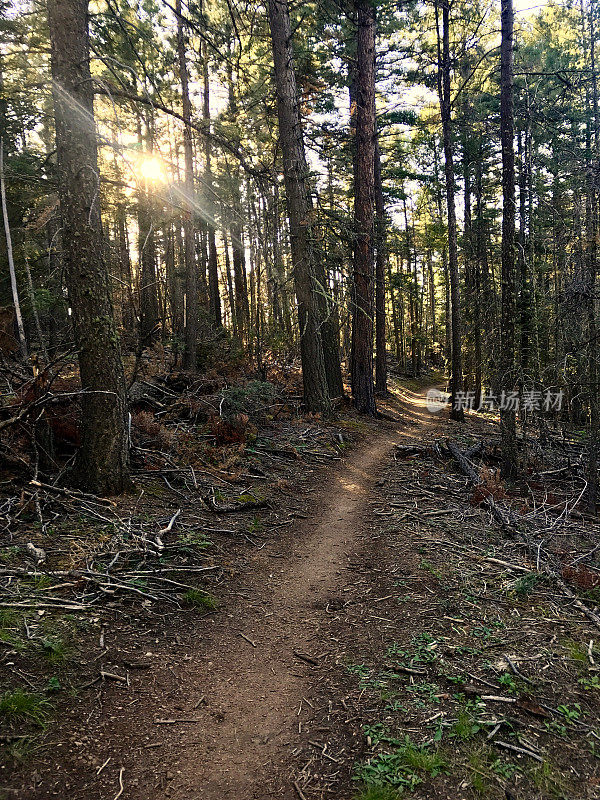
(378, 793)
(199, 599)
(590, 682)
(465, 727)
(17, 750)
(256, 526)
(550, 782)
(405, 767)
(576, 651)
(195, 538)
(55, 649)
(8, 555)
(525, 585)
(247, 498)
(37, 583)
(19, 705)
(478, 771)
(428, 567)
(10, 622)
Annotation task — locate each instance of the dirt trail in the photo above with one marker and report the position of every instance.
(254, 683)
(254, 692)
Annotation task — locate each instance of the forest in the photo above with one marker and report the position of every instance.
(299, 411)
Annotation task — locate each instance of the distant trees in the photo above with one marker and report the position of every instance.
(459, 234)
(103, 458)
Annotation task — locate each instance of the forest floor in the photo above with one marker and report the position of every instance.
(374, 628)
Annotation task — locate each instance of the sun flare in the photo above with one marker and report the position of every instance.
(151, 169)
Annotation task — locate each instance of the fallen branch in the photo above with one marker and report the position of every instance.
(249, 506)
(509, 524)
(522, 750)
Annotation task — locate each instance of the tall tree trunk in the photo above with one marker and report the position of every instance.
(228, 277)
(214, 297)
(149, 313)
(242, 308)
(395, 320)
(412, 295)
(507, 328)
(593, 152)
(295, 173)
(363, 390)
(9, 254)
(191, 276)
(330, 334)
(432, 304)
(129, 313)
(443, 47)
(102, 464)
(380, 270)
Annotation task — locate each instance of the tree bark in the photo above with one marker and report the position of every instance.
(295, 172)
(363, 390)
(102, 464)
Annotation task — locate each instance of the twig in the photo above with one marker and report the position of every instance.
(112, 676)
(523, 750)
(121, 786)
(171, 523)
(516, 671)
(306, 658)
(99, 770)
(299, 791)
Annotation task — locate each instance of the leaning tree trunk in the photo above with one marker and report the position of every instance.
(102, 464)
(191, 276)
(446, 114)
(363, 390)
(507, 325)
(295, 173)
